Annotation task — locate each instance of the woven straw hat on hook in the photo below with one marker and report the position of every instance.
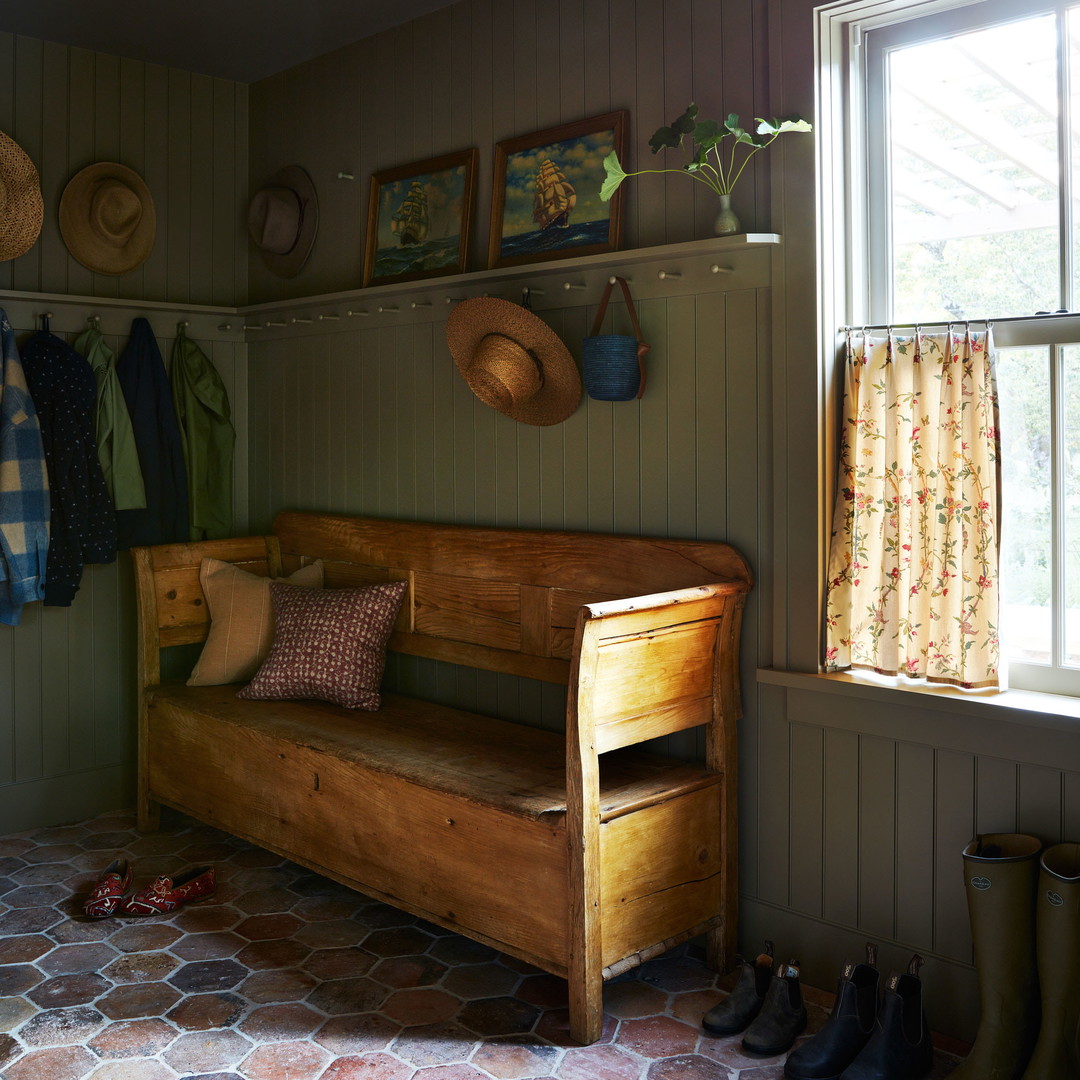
(21, 206)
(513, 361)
(107, 218)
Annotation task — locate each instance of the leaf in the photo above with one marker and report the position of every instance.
(670, 137)
(708, 133)
(740, 133)
(779, 124)
(615, 176)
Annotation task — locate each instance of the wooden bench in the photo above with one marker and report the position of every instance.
(580, 853)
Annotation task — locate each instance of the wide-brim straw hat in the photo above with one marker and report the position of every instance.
(21, 205)
(107, 218)
(283, 218)
(513, 361)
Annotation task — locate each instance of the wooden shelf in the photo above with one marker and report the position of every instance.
(557, 283)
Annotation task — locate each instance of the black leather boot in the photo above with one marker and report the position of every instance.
(744, 1002)
(848, 1029)
(782, 1017)
(900, 1048)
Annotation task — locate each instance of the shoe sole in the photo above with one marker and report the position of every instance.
(772, 1051)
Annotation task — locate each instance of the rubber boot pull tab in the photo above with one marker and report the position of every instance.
(915, 964)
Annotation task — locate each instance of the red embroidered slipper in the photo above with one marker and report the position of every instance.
(167, 894)
(106, 895)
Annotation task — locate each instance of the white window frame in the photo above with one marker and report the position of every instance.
(853, 282)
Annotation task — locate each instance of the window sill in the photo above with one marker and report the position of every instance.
(1024, 707)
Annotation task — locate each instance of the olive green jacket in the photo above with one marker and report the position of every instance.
(206, 430)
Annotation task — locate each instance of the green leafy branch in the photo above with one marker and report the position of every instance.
(714, 164)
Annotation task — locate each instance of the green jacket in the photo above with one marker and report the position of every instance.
(202, 407)
(115, 439)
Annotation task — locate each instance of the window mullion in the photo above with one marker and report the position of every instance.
(1057, 488)
(1065, 162)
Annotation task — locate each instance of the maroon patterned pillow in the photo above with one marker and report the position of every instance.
(329, 644)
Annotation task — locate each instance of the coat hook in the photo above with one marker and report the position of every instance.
(350, 312)
(270, 322)
(663, 275)
(613, 279)
(345, 176)
(716, 268)
(257, 326)
(183, 324)
(225, 327)
(420, 304)
(387, 307)
(298, 319)
(326, 315)
(45, 321)
(533, 291)
(454, 299)
(94, 321)
(572, 285)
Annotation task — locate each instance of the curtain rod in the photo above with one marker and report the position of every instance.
(962, 322)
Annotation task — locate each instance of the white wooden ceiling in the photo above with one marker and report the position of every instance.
(243, 40)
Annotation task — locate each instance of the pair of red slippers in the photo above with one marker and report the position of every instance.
(163, 894)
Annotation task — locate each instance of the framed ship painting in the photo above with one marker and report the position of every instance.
(546, 198)
(419, 216)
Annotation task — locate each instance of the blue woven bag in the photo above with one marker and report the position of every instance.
(613, 365)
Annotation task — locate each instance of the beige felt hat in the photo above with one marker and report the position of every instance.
(283, 218)
(107, 218)
(21, 206)
(513, 361)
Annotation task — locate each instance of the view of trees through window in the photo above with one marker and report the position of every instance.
(978, 196)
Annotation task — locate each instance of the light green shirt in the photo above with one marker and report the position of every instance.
(115, 438)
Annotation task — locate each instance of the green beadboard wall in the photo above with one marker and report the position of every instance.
(67, 675)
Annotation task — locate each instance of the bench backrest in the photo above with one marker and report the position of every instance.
(503, 600)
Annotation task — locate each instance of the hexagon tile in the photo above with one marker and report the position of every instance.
(284, 975)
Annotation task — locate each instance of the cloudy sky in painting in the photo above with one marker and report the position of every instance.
(445, 191)
(582, 163)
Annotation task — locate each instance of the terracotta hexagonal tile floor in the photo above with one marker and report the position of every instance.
(283, 973)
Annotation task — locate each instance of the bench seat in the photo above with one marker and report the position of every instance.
(514, 769)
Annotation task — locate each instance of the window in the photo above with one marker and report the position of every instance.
(969, 165)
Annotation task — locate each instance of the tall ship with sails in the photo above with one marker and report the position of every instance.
(410, 222)
(554, 197)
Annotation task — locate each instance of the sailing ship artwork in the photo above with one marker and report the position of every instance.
(418, 219)
(550, 206)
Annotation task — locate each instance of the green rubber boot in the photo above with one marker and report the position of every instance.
(1057, 943)
(1000, 871)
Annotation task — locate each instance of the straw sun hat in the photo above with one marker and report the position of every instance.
(107, 218)
(21, 207)
(513, 361)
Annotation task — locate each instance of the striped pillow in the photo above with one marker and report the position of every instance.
(241, 620)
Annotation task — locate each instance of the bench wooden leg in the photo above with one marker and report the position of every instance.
(147, 812)
(586, 1007)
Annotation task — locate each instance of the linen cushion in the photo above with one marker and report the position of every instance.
(328, 644)
(241, 620)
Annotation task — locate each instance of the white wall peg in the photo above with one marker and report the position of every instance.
(257, 326)
(225, 327)
(182, 324)
(420, 304)
(387, 307)
(454, 299)
(568, 285)
(345, 176)
(299, 319)
(663, 275)
(270, 322)
(611, 280)
(350, 313)
(528, 290)
(716, 268)
(326, 315)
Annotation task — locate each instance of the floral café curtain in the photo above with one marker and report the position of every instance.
(913, 567)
